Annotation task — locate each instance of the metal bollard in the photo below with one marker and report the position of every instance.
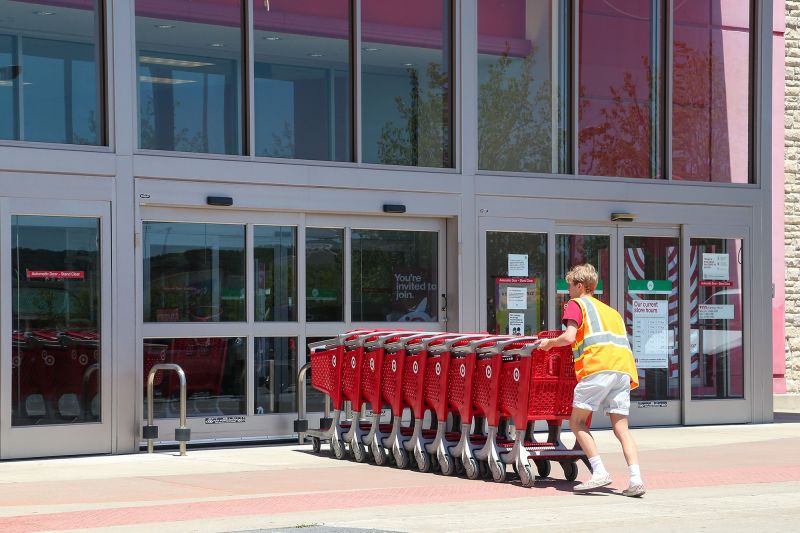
(150, 431)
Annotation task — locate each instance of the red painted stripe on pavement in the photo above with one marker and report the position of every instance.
(460, 491)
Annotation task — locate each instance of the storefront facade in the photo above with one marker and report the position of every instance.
(217, 183)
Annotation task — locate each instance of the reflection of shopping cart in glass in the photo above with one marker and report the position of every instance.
(29, 378)
(203, 361)
(85, 359)
(64, 364)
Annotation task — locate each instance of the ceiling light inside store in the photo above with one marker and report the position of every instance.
(166, 81)
(408, 64)
(44, 13)
(172, 62)
(165, 26)
(316, 54)
(217, 45)
(271, 38)
(371, 49)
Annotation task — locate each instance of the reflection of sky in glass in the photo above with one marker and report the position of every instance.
(189, 63)
(59, 72)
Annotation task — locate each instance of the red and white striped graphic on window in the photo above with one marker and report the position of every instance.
(634, 270)
(673, 268)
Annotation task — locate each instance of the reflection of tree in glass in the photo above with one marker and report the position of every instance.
(619, 144)
(282, 144)
(424, 139)
(151, 138)
(514, 121)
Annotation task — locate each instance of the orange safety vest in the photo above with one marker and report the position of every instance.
(601, 343)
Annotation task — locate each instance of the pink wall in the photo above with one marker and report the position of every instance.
(779, 302)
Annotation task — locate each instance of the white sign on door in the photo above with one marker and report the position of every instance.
(518, 265)
(517, 297)
(651, 333)
(516, 323)
(715, 266)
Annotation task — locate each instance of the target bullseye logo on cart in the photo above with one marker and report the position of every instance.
(463, 371)
(333, 361)
(516, 374)
(438, 368)
(415, 367)
(353, 362)
(372, 365)
(488, 372)
(394, 366)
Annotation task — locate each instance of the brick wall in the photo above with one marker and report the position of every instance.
(792, 197)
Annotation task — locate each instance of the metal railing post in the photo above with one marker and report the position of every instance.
(150, 431)
(301, 424)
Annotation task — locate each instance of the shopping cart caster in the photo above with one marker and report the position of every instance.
(526, 476)
(570, 470)
(337, 447)
(378, 453)
(447, 465)
(400, 457)
(543, 467)
(423, 459)
(359, 452)
(499, 471)
(483, 470)
(316, 444)
(472, 469)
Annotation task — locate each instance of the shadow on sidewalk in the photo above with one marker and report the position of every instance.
(786, 418)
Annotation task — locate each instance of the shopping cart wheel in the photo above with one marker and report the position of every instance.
(543, 467)
(401, 457)
(359, 452)
(378, 453)
(526, 476)
(499, 475)
(315, 444)
(447, 465)
(483, 469)
(472, 469)
(570, 470)
(424, 462)
(337, 447)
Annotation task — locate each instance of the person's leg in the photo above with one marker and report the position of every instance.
(619, 423)
(577, 423)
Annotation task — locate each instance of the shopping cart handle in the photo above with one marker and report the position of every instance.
(501, 346)
(473, 345)
(405, 340)
(447, 344)
(526, 350)
(383, 337)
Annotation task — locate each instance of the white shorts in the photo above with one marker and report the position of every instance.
(609, 390)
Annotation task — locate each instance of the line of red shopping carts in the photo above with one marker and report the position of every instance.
(481, 383)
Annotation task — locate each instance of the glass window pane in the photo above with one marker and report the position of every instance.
(189, 57)
(716, 307)
(405, 69)
(54, 93)
(324, 275)
(275, 254)
(620, 80)
(395, 276)
(194, 272)
(302, 79)
(573, 250)
(523, 91)
(56, 313)
(275, 375)
(711, 90)
(652, 294)
(516, 284)
(215, 376)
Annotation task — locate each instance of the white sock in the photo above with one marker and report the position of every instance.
(598, 470)
(636, 476)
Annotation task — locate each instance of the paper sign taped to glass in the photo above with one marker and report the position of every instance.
(651, 344)
(517, 306)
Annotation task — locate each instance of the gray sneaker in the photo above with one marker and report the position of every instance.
(634, 491)
(594, 483)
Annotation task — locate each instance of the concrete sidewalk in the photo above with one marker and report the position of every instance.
(699, 478)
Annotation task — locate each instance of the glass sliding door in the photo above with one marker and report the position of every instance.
(56, 329)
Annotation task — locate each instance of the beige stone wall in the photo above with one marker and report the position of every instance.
(792, 196)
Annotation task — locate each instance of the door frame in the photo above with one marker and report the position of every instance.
(718, 411)
(269, 425)
(61, 439)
